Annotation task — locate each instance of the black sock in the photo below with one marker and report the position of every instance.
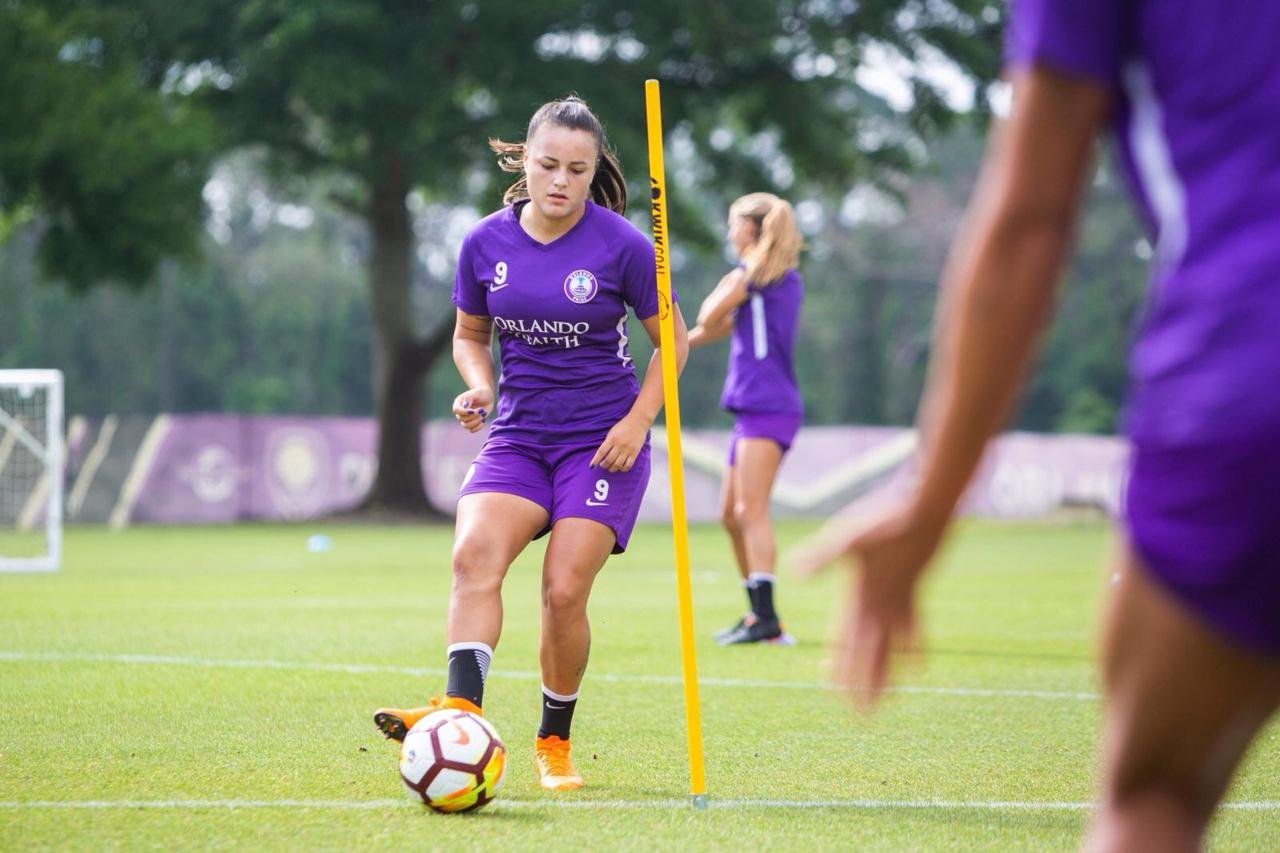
(751, 595)
(557, 714)
(761, 594)
(468, 666)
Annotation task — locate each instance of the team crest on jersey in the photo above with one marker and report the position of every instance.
(581, 286)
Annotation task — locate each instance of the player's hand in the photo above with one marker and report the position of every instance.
(888, 555)
(472, 407)
(622, 446)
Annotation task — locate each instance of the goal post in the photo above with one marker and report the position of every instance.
(32, 465)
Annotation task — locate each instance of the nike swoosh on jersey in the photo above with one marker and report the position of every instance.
(494, 288)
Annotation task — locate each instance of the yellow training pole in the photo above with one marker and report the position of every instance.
(671, 400)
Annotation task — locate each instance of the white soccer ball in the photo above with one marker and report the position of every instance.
(452, 761)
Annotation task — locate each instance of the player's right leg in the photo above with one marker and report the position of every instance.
(1183, 705)
(492, 529)
(575, 555)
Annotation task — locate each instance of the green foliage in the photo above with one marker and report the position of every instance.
(872, 284)
(767, 93)
(122, 105)
(275, 319)
(1086, 410)
(113, 167)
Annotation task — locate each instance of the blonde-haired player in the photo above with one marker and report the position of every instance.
(758, 303)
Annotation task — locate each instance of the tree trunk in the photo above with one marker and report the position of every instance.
(398, 366)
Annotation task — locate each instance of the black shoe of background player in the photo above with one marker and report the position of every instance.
(753, 630)
(718, 636)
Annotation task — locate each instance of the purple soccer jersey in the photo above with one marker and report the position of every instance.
(761, 378)
(1196, 87)
(560, 310)
(1197, 99)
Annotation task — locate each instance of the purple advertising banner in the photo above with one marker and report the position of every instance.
(218, 468)
(224, 468)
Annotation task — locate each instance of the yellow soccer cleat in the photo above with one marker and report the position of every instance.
(394, 723)
(555, 769)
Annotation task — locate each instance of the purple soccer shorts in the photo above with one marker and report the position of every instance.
(558, 478)
(781, 429)
(1206, 521)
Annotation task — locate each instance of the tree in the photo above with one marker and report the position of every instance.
(388, 97)
(274, 319)
(112, 167)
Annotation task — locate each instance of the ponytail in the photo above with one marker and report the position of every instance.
(778, 241)
(609, 187)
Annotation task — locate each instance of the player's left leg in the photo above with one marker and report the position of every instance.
(594, 513)
(576, 553)
(729, 519)
(754, 472)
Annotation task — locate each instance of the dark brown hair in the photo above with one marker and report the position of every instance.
(608, 187)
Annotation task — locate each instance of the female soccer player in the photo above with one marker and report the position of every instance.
(1191, 654)
(568, 452)
(758, 302)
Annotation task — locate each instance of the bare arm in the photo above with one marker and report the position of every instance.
(649, 401)
(998, 290)
(715, 317)
(1000, 280)
(702, 334)
(622, 445)
(472, 335)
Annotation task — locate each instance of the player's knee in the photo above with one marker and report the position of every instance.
(729, 517)
(475, 568)
(564, 599)
(750, 513)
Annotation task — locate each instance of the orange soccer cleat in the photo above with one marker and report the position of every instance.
(394, 723)
(555, 769)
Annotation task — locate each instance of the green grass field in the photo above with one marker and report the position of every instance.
(213, 688)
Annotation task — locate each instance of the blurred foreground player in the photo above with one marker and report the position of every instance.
(1191, 659)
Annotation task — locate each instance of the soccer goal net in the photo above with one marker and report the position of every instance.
(31, 470)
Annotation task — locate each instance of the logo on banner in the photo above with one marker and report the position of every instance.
(581, 286)
(297, 470)
(214, 476)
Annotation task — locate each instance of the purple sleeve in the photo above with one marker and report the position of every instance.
(469, 293)
(1079, 37)
(640, 277)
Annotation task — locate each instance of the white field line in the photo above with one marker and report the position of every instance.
(522, 675)
(620, 805)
